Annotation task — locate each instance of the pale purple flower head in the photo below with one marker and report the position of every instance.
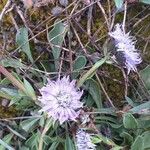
(61, 99)
(126, 44)
(83, 140)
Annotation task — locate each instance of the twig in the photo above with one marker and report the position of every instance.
(78, 38)
(103, 89)
(60, 66)
(125, 82)
(14, 22)
(89, 22)
(124, 17)
(14, 81)
(104, 13)
(109, 11)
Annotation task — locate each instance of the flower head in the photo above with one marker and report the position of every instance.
(125, 44)
(61, 99)
(83, 140)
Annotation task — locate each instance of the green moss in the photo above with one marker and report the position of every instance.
(114, 89)
(8, 112)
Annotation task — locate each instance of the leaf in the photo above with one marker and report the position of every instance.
(106, 118)
(56, 37)
(23, 42)
(33, 141)
(28, 124)
(130, 101)
(10, 62)
(91, 71)
(95, 91)
(78, 64)
(9, 92)
(145, 1)
(139, 108)
(29, 89)
(100, 138)
(110, 111)
(119, 3)
(16, 133)
(127, 137)
(138, 144)
(145, 75)
(54, 146)
(69, 144)
(129, 121)
(5, 141)
(146, 139)
(117, 148)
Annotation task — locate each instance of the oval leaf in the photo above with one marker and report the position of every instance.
(23, 42)
(78, 64)
(129, 121)
(138, 144)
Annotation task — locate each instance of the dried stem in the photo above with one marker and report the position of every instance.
(14, 81)
(103, 89)
(125, 15)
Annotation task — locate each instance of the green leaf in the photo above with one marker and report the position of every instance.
(54, 146)
(146, 139)
(78, 64)
(95, 91)
(106, 118)
(129, 121)
(24, 148)
(16, 133)
(4, 143)
(110, 111)
(145, 1)
(29, 89)
(117, 148)
(140, 107)
(23, 42)
(56, 37)
(28, 124)
(9, 93)
(145, 75)
(127, 138)
(69, 144)
(119, 3)
(138, 144)
(130, 101)
(10, 62)
(91, 72)
(100, 138)
(33, 141)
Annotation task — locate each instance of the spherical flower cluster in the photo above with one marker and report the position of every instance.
(61, 99)
(83, 141)
(126, 45)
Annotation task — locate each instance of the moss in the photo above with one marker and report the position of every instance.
(114, 89)
(8, 112)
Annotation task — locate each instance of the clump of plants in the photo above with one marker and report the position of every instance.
(58, 66)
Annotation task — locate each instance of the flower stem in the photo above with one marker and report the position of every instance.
(46, 128)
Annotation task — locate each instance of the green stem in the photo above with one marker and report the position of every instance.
(46, 128)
